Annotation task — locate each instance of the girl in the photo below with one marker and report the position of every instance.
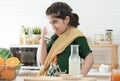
(64, 22)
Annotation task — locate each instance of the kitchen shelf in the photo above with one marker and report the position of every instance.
(113, 52)
(26, 45)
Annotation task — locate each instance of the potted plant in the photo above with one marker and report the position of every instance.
(26, 29)
(36, 30)
(36, 34)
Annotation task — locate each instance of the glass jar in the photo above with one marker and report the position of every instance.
(30, 39)
(115, 76)
(108, 35)
(98, 38)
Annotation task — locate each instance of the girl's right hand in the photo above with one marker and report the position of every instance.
(43, 34)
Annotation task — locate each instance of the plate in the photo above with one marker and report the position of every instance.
(73, 77)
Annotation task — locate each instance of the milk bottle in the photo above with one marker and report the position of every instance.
(74, 61)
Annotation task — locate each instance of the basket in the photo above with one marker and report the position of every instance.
(9, 72)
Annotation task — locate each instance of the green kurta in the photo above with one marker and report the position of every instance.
(63, 58)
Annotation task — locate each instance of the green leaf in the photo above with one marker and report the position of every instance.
(5, 53)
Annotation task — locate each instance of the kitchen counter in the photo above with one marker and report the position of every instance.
(30, 75)
(98, 75)
(47, 78)
(107, 74)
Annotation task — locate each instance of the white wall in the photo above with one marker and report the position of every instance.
(95, 17)
(14, 14)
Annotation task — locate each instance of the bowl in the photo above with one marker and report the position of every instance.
(93, 70)
(9, 72)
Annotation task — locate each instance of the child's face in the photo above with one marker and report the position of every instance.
(58, 24)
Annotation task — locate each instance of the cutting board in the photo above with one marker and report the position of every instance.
(50, 78)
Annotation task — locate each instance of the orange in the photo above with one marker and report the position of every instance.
(8, 74)
(0, 74)
(2, 63)
(12, 62)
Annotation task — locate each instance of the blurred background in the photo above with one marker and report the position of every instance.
(95, 17)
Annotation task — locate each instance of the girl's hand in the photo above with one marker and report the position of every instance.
(43, 32)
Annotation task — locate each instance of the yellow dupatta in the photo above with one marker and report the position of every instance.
(59, 46)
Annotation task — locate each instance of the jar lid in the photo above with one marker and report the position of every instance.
(109, 30)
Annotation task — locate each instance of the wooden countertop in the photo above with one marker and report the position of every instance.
(47, 78)
(27, 75)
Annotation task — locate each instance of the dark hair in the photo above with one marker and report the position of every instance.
(61, 10)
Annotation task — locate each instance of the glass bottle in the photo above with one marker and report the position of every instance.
(74, 61)
(115, 75)
(22, 36)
